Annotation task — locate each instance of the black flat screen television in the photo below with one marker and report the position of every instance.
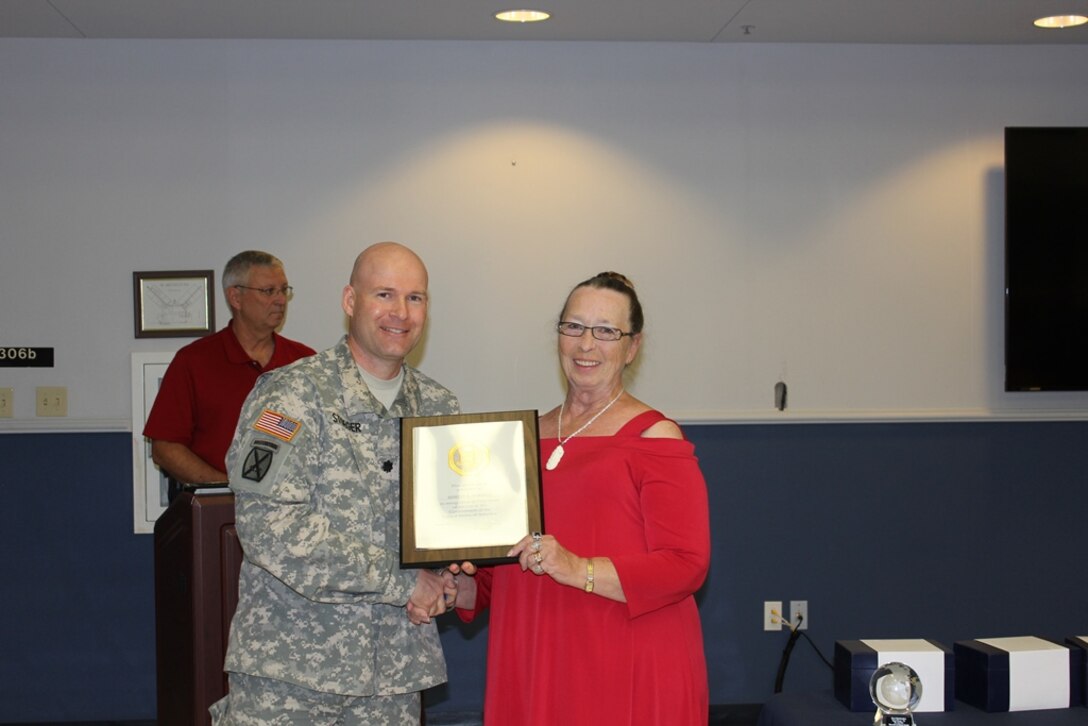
(1046, 259)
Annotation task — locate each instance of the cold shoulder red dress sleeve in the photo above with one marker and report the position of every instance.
(558, 656)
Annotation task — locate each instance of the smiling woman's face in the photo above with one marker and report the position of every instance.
(589, 363)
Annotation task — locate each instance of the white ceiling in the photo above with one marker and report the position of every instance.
(696, 21)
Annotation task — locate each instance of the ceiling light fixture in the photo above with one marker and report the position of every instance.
(1061, 21)
(522, 16)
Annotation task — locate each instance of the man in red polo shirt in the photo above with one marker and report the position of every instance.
(192, 421)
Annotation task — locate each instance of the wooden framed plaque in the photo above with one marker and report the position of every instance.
(176, 304)
(469, 487)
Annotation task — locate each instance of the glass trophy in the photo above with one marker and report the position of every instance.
(896, 690)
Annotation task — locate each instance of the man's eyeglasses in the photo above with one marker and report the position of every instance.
(600, 332)
(287, 291)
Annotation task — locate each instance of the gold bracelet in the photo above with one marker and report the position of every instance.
(589, 575)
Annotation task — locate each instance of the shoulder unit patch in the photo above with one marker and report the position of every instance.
(257, 463)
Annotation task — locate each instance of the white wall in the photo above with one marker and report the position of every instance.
(827, 214)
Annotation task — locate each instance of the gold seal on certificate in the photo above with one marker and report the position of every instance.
(466, 457)
(470, 486)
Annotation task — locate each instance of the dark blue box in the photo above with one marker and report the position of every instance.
(983, 675)
(1080, 642)
(855, 662)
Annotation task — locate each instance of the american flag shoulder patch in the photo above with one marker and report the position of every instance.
(278, 425)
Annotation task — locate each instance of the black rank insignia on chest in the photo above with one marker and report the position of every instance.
(259, 460)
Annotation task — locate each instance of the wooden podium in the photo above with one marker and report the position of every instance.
(197, 559)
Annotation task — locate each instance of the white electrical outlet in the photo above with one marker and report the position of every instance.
(772, 614)
(51, 400)
(7, 402)
(799, 609)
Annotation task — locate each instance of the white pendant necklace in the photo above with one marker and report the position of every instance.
(557, 455)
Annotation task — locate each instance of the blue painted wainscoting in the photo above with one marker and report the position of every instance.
(939, 530)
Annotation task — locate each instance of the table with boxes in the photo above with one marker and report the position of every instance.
(1009, 681)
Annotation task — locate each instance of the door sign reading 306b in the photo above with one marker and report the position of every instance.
(19, 357)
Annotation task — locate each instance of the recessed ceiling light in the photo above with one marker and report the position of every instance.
(1061, 21)
(522, 16)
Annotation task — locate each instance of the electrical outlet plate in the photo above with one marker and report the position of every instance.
(799, 608)
(772, 614)
(7, 402)
(51, 400)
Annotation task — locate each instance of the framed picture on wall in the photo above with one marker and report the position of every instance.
(174, 304)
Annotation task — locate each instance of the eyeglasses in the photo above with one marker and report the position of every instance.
(600, 332)
(287, 291)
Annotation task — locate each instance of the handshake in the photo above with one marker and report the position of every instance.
(437, 591)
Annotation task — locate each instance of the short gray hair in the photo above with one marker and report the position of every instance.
(237, 270)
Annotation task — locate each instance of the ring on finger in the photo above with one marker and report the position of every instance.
(535, 546)
(537, 557)
(538, 569)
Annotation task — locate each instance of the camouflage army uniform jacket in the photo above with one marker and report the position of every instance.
(315, 467)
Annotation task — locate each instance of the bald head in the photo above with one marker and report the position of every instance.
(384, 255)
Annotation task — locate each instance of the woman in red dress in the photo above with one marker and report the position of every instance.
(597, 622)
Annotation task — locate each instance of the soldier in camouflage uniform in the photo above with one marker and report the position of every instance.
(321, 633)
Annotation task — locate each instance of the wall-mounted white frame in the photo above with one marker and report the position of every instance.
(148, 481)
